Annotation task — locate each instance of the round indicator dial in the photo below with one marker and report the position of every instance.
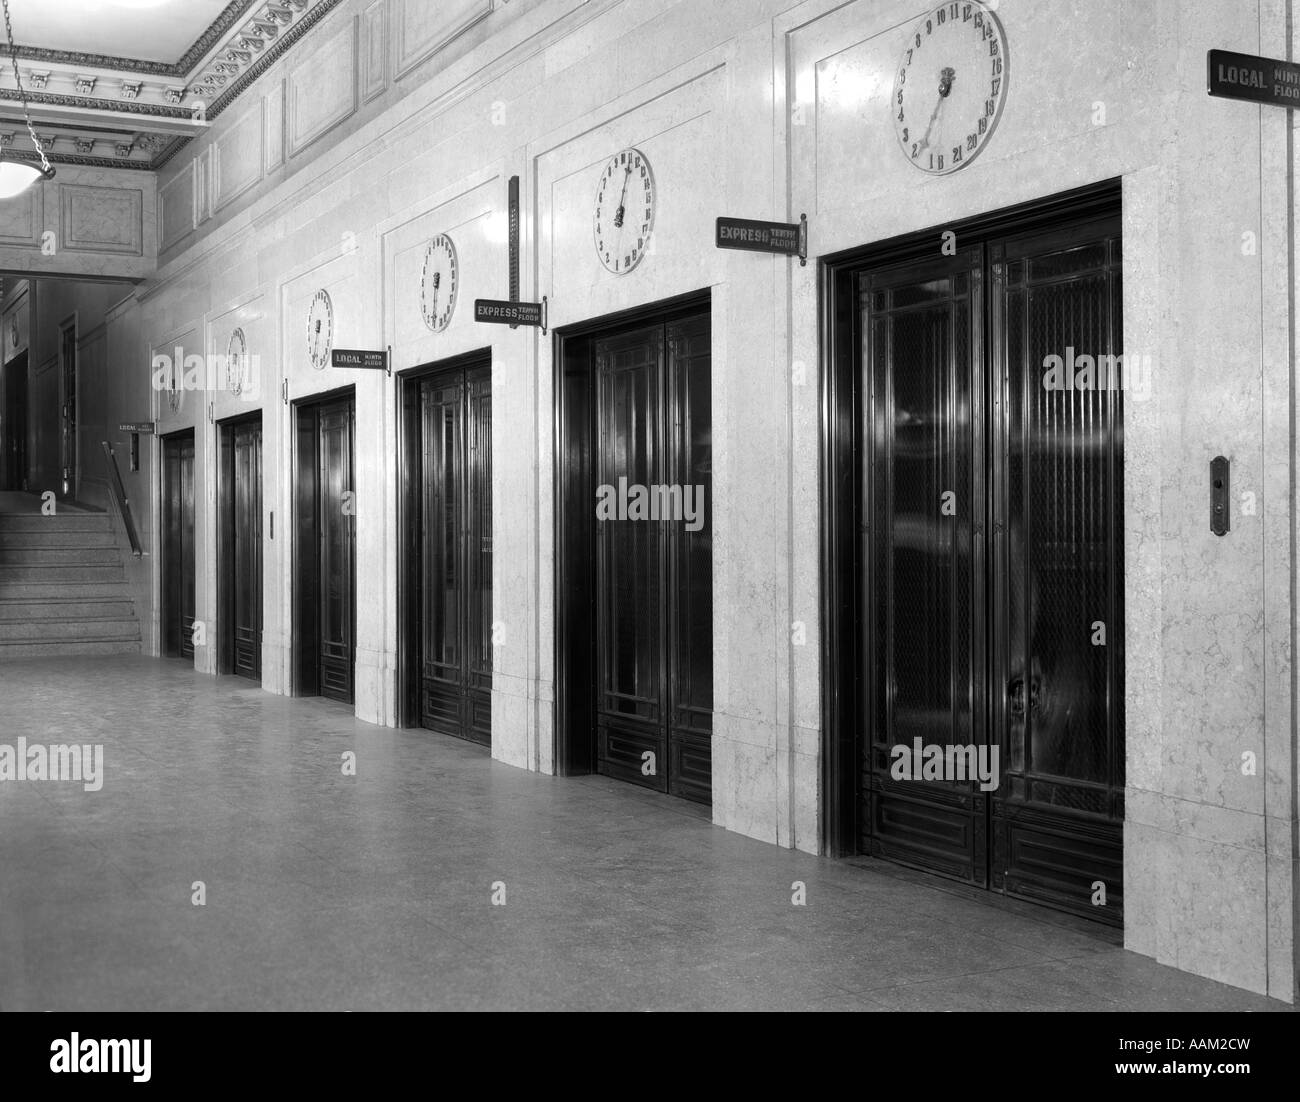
(320, 330)
(439, 282)
(950, 87)
(625, 211)
(236, 362)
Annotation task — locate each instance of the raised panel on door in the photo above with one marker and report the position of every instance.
(1058, 814)
(336, 639)
(922, 616)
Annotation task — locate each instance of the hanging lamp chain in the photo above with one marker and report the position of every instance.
(22, 92)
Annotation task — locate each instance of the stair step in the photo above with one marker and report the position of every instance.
(12, 651)
(61, 607)
(85, 628)
(63, 522)
(77, 590)
(12, 575)
(56, 537)
(57, 556)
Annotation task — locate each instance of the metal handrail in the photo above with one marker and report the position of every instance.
(120, 499)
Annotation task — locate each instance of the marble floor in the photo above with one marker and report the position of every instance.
(376, 891)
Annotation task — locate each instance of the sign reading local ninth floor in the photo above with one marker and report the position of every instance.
(355, 357)
(782, 238)
(1258, 79)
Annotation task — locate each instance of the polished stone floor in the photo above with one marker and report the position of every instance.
(325, 891)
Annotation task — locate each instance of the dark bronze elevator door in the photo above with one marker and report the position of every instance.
(241, 548)
(990, 544)
(324, 556)
(654, 584)
(455, 580)
(337, 577)
(177, 611)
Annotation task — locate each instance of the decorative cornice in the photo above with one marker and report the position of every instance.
(85, 162)
(126, 107)
(234, 12)
(265, 60)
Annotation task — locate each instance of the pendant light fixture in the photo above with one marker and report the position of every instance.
(17, 176)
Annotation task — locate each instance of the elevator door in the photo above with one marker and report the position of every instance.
(13, 438)
(653, 538)
(177, 611)
(325, 554)
(450, 436)
(241, 548)
(991, 547)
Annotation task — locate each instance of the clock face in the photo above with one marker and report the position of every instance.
(320, 330)
(625, 211)
(951, 86)
(438, 283)
(236, 362)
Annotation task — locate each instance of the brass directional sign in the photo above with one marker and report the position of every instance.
(1258, 79)
(353, 357)
(783, 238)
(499, 312)
(137, 426)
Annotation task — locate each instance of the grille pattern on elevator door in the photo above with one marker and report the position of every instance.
(456, 557)
(246, 539)
(654, 615)
(923, 652)
(1058, 814)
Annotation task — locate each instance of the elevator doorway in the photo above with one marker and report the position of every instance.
(324, 501)
(983, 529)
(13, 439)
(446, 540)
(635, 552)
(178, 552)
(239, 570)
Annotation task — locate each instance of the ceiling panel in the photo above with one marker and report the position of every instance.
(148, 30)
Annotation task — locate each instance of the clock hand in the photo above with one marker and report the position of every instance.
(618, 216)
(947, 79)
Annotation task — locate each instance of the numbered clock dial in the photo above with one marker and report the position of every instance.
(438, 283)
(625, 211)
(320, 330)
(950, 87)
(236, 362)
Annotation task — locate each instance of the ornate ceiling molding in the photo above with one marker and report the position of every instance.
(79, 105)
(181, 68)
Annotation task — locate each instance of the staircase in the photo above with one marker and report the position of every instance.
(63, 589)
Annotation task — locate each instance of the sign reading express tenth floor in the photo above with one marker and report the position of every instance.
(782, 238)
(1258, 79)
(501, 312)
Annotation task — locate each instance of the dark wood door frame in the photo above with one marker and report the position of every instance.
(574, 532)
(226, 541)
(410, 593)
(841, 447)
